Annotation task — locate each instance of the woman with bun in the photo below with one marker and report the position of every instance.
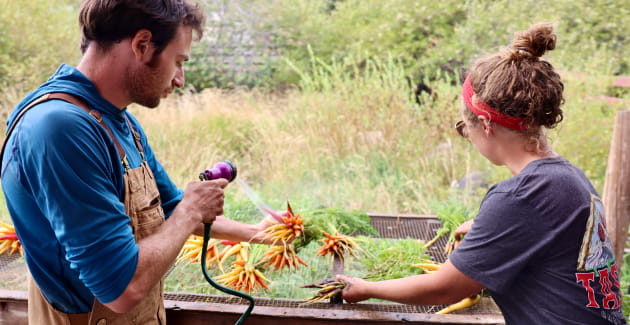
(538, 243)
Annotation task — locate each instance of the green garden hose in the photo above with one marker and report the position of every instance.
(206, 237)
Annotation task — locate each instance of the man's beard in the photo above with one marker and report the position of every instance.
(143, 86)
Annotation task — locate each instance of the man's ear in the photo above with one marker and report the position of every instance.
(142, 46)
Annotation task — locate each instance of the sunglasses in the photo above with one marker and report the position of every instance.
(459, 127)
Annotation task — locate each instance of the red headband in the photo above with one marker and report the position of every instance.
(483, 109)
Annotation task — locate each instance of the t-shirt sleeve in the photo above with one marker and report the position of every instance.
(501, 242)
(73, 184)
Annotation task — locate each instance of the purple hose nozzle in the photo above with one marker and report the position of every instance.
(223, 169)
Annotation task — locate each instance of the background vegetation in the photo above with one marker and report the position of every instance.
(317, 101)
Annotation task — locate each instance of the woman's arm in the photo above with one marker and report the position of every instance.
(224, 228)
(446, 286)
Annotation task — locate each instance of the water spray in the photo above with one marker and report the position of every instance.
(227, 170)
(263, 207)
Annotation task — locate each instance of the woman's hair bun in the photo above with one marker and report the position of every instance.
(534, 42)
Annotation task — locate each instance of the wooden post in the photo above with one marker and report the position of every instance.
(616, 196)
(338, 268)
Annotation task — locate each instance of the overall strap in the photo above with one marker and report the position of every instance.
(72, 99)
(137, 139)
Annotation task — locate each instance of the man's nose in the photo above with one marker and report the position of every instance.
(178, 80)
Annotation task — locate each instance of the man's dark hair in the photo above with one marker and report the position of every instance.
(107, 22)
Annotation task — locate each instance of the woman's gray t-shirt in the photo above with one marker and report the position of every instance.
(540, 246)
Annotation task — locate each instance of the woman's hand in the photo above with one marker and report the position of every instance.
(273, 218)
(463, 229)
(355, 288)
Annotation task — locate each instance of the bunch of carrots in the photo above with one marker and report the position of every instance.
(290, 228)
(191, 251)
(328, 288)
(243, 277)
(9, 241)
(336, 244)
(245, 273)
(240, 250)
(282, 256)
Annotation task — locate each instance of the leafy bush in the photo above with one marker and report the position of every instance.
(35, 38)
(360, 29)
(249, 42)
(237, 48)
(434, 39)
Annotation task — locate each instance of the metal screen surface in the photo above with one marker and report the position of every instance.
(486, 306)
(411, 226)
(13, 273)
(297, 304)
(388, 226)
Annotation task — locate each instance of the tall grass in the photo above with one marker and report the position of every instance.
(355, 138)
(349, 138)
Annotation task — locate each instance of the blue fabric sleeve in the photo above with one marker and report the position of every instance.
(77, 193)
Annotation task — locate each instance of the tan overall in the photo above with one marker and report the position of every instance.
(143, 206)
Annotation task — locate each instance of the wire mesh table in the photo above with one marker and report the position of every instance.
(192, 308)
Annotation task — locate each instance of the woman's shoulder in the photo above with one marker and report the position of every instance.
(544, 180)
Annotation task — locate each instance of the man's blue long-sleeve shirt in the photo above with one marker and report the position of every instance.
(63, 183)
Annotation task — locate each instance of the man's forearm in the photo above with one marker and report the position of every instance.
(156, 254)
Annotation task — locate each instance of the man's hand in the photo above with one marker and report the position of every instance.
(204, 199)
(202, 203)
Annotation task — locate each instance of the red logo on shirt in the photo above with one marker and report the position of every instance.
(608, 279)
